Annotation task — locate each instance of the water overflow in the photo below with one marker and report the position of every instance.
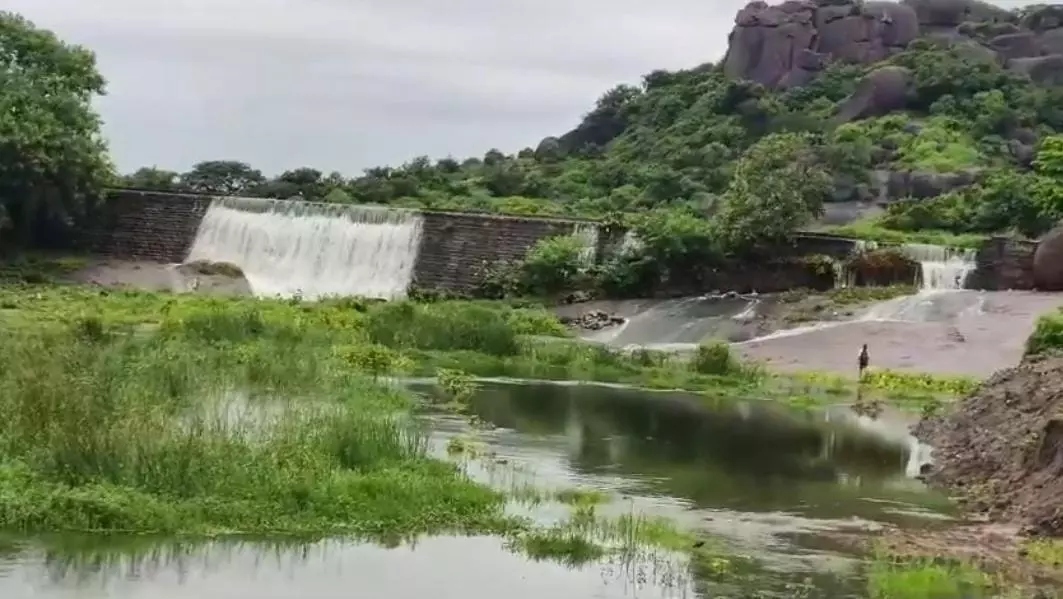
(312, 250)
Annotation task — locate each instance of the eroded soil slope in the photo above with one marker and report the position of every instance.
(1001, 449)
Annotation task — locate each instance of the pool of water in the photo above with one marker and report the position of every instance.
(763, 482)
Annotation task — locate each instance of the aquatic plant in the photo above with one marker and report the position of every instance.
(143, 434)
(459, 386)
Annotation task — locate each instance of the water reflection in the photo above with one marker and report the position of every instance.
(748, 457)
(769, 479)
(438, 567)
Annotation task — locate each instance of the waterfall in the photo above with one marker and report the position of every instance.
(313, 250)
(942, 268)
(630, 243)
(587, 235)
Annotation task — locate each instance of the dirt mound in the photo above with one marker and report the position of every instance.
(1000, 450)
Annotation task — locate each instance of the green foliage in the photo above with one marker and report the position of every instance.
(1002, 200)
(1047, 336)
(372, 359)
(753, 164)
(779, 185)
(155, 443)
(893, 577)
(714, 358)
(458, 385)
(55, 161)
(553, 265)
(441, 326)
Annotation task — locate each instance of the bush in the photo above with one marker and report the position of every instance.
(444, 326)
(714, 358)
(553, 265)
(882, 268)
(1047, 335)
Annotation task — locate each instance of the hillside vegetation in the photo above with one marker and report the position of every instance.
(741, 162)
(698, 141)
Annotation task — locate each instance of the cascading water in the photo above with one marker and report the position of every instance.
(630, 243)
(944, 271)
(313, 250)
(942, 268)
(587, 235)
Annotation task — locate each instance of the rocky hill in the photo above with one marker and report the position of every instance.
(788, 44)
(947, 112)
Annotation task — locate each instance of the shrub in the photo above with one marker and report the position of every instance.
(553, 265)
(1047, 335)
(714, 358)
(442, 326)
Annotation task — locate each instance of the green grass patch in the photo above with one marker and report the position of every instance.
(1045, 552)
(890, 577)
(183, 433)
(1047, 336)
(870, 230)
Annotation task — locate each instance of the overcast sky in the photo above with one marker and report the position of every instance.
(348, 84)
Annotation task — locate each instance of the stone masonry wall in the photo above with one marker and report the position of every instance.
(1004, 263)
(455, 247)
(144, 225)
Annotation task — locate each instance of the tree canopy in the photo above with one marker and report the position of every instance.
(54, 162)
(753, 162)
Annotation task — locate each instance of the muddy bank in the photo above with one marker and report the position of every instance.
(1000, 451)
(156, 276)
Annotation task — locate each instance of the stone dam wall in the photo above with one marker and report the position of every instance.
(161, 227)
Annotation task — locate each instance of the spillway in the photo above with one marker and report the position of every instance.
(312, 250)
(942, 268)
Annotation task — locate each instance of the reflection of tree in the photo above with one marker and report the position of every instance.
(765, 459)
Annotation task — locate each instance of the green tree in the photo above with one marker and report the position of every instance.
(1048, 187)
(223, 177)
(55, 162)
(152, 178)
(779, 185)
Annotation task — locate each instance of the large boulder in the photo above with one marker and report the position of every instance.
(942, 14)
(1048, 261)
(786, 44)
(1047, 70)
(880, 92)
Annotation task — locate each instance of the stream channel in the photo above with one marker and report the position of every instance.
(767, 485)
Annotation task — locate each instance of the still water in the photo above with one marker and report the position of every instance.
(769, 484)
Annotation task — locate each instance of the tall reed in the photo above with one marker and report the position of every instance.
(213, 424)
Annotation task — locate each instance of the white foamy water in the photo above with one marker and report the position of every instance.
(943, 268)
(288, 248)
(587, 235)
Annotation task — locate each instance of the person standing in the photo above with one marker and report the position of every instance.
(864, 360)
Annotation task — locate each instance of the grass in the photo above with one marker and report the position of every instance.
(891, 577)
(140, 434)
(870, 230)
(483, 339)
(1047, 336)
(1045, 552)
